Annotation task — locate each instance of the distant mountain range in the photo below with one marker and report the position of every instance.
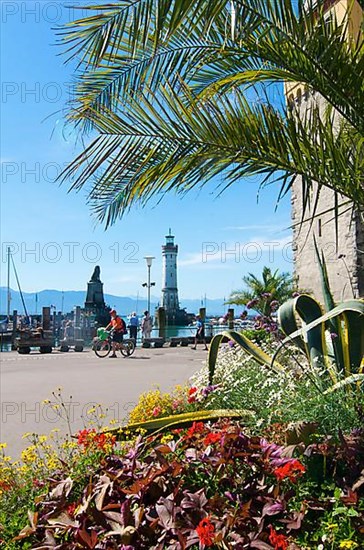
(65, 301)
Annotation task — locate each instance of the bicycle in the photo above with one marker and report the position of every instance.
(103, 346)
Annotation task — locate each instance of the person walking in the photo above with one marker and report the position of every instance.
(147, 325)
(200, 332)
(118, 329)
(133, 325)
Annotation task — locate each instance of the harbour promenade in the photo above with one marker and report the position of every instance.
(27, 381)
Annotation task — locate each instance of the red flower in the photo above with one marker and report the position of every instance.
(197, 427)
(292, 470)
(105, 441)
(38, 483)
(278, 541)
(71, 509)
(89, 438)
(212, 438)
(85, 437)
(192, 395)
(206, 531)
(4, 485)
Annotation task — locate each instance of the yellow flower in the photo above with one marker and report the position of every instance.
(42, 438)
(69, 445)
(348, 544)
(166, 438)
(92, 410)
(3, 445)
(53, 463)
(29, 454)
(46, 401)
(26, 435)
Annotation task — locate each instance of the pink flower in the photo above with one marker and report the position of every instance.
(156, 411)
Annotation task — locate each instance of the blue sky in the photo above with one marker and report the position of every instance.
(55, 240)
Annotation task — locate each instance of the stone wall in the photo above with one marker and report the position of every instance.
(343, 253)
(342, 246)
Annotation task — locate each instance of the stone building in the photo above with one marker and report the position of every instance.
(344, 253)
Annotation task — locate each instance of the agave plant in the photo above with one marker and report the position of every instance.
(332, 340)
(339, 353)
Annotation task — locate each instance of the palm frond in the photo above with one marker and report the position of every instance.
(170, 142)
(137, 58)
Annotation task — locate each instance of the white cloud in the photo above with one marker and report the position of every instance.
(221, 255)
(197, 259)
(267, 244)
(270, 228)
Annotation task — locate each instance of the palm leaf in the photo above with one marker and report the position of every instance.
(136, 53)
(171, 143)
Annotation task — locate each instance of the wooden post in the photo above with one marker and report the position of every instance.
(77, 323)
(231, 318)
(46, 318)
(54, 323)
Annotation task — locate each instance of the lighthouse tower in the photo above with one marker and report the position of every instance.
(169, 290)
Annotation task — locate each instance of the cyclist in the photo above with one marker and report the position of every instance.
(118, 329)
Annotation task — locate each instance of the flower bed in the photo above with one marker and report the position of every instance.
(203, 486)
(284, 478)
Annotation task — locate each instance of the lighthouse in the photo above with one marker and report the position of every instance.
(170, 291)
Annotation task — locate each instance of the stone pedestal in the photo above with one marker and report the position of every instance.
(95, 293)
(95, 296)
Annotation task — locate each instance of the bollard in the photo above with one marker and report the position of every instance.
(161, 322)
(231, 318)
(77, 322)
(46, 318)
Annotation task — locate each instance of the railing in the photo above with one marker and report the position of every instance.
(211, 329)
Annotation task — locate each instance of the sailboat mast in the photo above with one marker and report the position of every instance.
(9, 295)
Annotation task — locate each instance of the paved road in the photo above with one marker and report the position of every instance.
(27, 380)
